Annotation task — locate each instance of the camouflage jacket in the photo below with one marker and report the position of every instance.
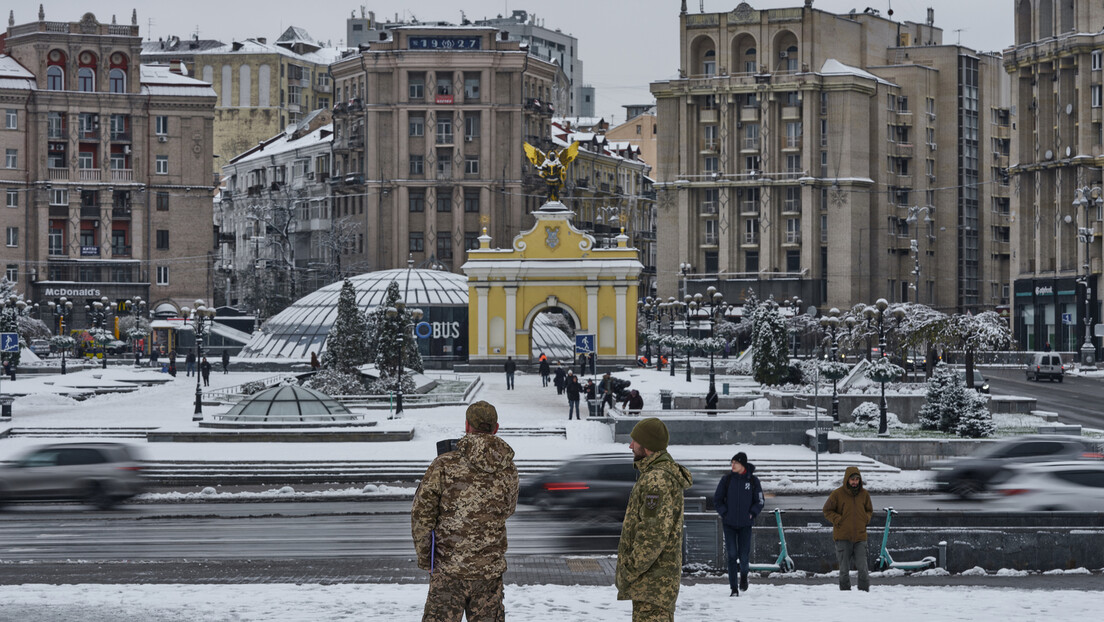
(649, 556)
(465, 498)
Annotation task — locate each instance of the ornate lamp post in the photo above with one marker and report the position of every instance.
(877, 313)
(406, 327)
(97, 317)
(647, 307)
(794, 304)
(62, 310)
(1088, 198)
(137, 308)
(201, 318)
(831, 323)
(715, 301)
(914, 244)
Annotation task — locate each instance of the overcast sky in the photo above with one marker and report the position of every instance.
(624, 44)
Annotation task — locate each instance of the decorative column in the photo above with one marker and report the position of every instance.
(481, 293)
(622, 320)
(592, 313)
(511, 320)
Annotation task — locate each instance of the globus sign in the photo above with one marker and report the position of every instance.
(437, 330)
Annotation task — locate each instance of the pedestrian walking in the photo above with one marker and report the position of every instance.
(137, 356)
(9, 369)
(315, 363)
(545, 370)
(189, 364)
(633, 402)
(205, 371)
(172, 363)
(849, 510)
(605, 392)
(574, 391)
(582, 364)
(458, 522)
(153, 357)
(711, 399)
(739, 499)
(649, 554)
(225, 361)
(560, 379)
(510, 368)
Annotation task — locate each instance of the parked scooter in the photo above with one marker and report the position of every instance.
(784, 563)
(885, 561)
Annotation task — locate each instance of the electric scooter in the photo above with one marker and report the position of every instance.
(784, 563)
(885, 561)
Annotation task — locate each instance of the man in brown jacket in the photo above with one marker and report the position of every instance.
(458, 522)
(849, 510)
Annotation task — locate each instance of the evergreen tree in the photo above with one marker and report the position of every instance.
(346, 343)
(769, 338)
(953, 408)
(975, 420)
(390, 334)
(932, 415)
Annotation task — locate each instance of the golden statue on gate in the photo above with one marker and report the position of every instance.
(552, 166)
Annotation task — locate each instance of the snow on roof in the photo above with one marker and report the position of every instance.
(296, 34)
(13, 75)
(161, 74)
(282, 143)
(833, 67)
(324, 56)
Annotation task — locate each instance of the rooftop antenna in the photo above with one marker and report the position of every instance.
(149, 28)
(958, 31)
(701, 6)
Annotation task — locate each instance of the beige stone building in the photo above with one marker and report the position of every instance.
(642, 131)
(806, 153)
(1057, 73)
(428, 134)
(262, 87)
(107, 178)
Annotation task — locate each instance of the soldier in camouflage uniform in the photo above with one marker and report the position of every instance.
(458, 522)
(649, 556)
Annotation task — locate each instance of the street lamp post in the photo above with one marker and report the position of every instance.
(794, 304)
(684, 269)
(97, 316)
(877, 313)
(647, 307)
(137, 308)
(831, 322)
(62, 310)
(201, 318)
(1088, 198)
(674, 310)
(405, 326)
(715, 301)
(914, 244)
(691, 308)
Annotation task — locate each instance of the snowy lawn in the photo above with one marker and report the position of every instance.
(403, 603)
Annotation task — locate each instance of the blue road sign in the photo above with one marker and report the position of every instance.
(584, 343)
(1067, 318)
(9, 342)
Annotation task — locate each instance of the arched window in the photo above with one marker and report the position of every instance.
(750, 65)
(709, 66)
(791, 58)
(55, 78)
(117, 81)
(86, 80)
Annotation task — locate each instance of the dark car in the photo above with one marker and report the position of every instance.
(977, 473)
(594, 487)
(100, 474)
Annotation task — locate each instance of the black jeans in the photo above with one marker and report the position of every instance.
(738, 549)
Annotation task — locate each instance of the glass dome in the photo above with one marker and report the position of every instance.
(301, 329)
(288, 404)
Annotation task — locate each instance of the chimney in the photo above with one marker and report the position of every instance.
(931, 17)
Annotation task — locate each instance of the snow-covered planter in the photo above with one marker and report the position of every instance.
(332, 381)
(869, 414)
(882, 370)
(834, 370)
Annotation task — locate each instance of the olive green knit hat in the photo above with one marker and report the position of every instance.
(651, 433)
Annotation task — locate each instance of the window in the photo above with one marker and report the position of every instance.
(120, 126)
(55, 78)
(471, 202)
(416, 87)
(471, 86)
(471, 241)
(13, 236)
(120, 199)
(793, 134)
(55, 125)
(793, 199)
(59, 197)
(751, 231)
(56, 237)
(417, 242)
(90, 198)
(1097, 59)
(417, 201)
(11, 160)
(824, 228)
(711, 232)
(444, 84)
(471, 165)
(162, 239)
(417, 125)
(444, 130)
(86, 80)
(444, 247)
(12, 272)
(11, 119)
(444, 200)
(709, 165)
(793, 261)
(793, 163)
(824, 132)
(86, 160)
(162, 165)
(417, 164)
(471, 126)
(751, 136)
(162, 275)
(1096, 95)
(163, 201)
(116, 81)
(793, 230)
(13, 198)
(751, 261)
(161, 125)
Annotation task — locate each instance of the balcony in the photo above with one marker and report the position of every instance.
(120, 213)
(90, 211)
(1000, 248)
(58, 174)
(122, 174)
(59, 211)
(323, 88)
(791, 113)
(120, 136)
(120, 251)
(710, 239)
(709, 145)
(443, 99)
(707, 116)
(89, 174)
(749, 115)
(751, 144)
(749, 207)
(708, 208)
(293, 107)
(902, 150)
(751, 239)
(445, 138)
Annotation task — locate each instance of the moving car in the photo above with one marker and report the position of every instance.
(595, 488)
(100, 474)
(980, 382)
(40, 347)
(1075, 486)
(975, 474)
(1046, 365)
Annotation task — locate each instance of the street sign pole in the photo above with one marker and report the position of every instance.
(9, 344)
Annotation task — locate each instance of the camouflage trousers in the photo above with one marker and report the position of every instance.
(647, 612)
(450, 598)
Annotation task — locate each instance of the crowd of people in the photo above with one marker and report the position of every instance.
(605, 394)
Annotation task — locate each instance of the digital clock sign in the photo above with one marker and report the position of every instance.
(444, 43)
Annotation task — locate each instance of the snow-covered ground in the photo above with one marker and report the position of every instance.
(403, 603)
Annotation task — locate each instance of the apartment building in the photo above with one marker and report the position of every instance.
(107, 177)
(1057, 73)
(428, 135)
(839, 158)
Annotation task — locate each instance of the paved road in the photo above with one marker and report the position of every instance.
(1077, 400)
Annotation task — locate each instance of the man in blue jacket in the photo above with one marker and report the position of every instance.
(739, 499)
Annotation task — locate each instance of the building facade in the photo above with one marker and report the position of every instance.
(262, 88)
(1057, 74)
(837, 158)
(428, 135)
(107, 178)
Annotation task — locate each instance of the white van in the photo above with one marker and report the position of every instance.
(1045, 365)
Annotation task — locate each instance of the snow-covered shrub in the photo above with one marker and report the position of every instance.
(882, 370)
(953, 408)
(386, 384)
(249, 388)
(770, 339)
(333, 381)
(866, 414)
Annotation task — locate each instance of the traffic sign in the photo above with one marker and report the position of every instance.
(584, 343)
(1067, 318)
(9, 342)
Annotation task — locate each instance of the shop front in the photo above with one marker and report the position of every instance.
(1050, 313)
